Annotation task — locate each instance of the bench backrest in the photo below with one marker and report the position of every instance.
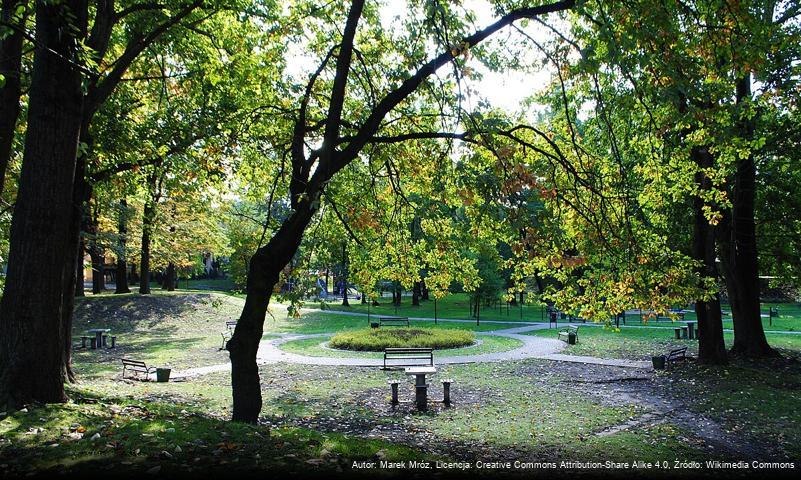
(410, 356)
(570, 329)
(393, 321)
(407, 350)
(677, 353)
(133, 363)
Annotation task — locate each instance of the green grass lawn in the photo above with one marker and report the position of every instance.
(789, 318)
(322, 322)
(320, 418)
(172, 329)
(456, 306)
(182, 330)
(642, 343)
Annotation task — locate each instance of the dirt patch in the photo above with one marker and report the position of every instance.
(665, 397)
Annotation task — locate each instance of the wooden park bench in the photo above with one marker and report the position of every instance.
(675, 355)
(564, 333)
(407, 357)
(393, 321)
(229, 330)
(137, 367)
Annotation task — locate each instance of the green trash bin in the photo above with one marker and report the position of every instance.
(659, 362)
(571, 338)
(163, 374)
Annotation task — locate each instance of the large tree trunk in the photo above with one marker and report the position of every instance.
(263, 273)
(10, 63)
(122, 252)
(738, 245)
(79, 279)
(98, 273)
(425, 293)
(74, 284)
(42, 254)
(711, 347)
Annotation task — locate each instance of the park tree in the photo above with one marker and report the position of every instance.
(74, 74)
(13, 23)
(33, 299)
(634, 137)
(700, 96)
(343, 123)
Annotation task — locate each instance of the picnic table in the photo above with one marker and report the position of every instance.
(420, 386)
(98, 335)
(691, 330)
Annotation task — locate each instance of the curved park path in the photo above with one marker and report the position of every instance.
(533, 347)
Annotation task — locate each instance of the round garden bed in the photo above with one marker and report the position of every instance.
(377, 339)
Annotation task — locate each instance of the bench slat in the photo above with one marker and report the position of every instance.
(408, 357)
(133, 363)
(393, 321)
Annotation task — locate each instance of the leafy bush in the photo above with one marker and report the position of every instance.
(377, 339)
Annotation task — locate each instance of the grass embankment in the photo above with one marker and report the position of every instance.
(377, 339)
(166, 329)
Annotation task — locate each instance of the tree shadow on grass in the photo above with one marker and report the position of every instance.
(95, 436)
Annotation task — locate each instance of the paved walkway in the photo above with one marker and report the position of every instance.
(533, 347)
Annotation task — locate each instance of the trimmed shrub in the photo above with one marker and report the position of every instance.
(377, 339)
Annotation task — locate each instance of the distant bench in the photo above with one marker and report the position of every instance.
(676, 355)
(408, 357)
(137, 367)
(393, 321)
(567, 331)
(226, 335)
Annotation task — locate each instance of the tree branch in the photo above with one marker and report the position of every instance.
(340, 83)
(392, 99)
(300, 165)
(103, 88)
(342, 219)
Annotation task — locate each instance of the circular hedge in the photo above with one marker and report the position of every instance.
(377, 339)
